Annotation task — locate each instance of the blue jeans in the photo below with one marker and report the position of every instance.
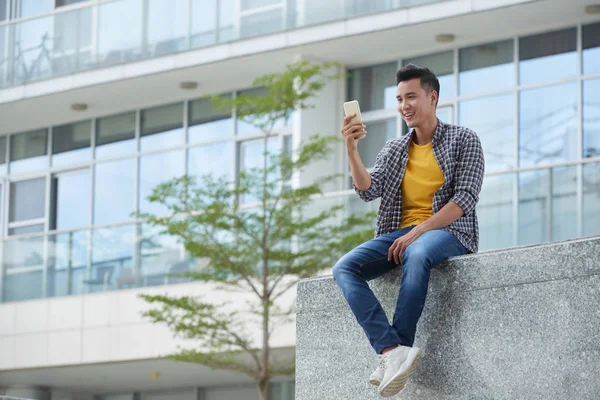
(369, 261)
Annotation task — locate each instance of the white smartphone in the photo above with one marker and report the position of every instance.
(352, 107)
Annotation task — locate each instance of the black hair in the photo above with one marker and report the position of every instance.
(428, 79)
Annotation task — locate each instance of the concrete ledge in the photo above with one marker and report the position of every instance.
(521, 323)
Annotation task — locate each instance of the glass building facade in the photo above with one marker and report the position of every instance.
(69, 192)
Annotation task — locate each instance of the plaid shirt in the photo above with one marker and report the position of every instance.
(459, 154)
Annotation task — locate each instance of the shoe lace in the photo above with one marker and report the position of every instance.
(383, 361)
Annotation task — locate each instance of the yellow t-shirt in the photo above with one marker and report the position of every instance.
(422, 178)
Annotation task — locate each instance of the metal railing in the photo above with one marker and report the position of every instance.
(121, 31)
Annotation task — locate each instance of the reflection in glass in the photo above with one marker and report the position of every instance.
(166, 26)
(23, 285)
(3, 168)
(156, 169)
(215, 159)
(71, 143)
(28, 151)
(25, 230)
(23, 262)
(115, 135)
(548, 125)
(591, 118)
(203, 23)
(71, 193)
(72, 48)
(246, 128)
(67, 263)
(564, 203)
(495, 212)
(160, 256)
(114, 191)
(112, 257)
(378, 133)
(492, 118)
(442, 65)
(548, 56)
(162, 127)
(207, 123)
(374, 87)
(251, 155)
(261, 23)
(591, 48)
(444, 114)
(591, 199)
(124, 44)
(486, 68)
(27, 199)
(32, 47)
(535, 204)
(30, 8)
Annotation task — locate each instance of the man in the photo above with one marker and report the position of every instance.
(429, 182)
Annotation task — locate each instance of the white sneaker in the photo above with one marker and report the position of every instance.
(377, 375)
(399, 364)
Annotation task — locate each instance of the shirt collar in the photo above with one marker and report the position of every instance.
(437, 136)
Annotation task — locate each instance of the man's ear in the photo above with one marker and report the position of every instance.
(434, 97)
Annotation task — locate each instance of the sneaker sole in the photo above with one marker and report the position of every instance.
(375, 382)
(397, 383)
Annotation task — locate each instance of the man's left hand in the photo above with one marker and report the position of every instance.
(399, 246)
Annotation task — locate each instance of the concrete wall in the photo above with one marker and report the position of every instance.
(522, 323)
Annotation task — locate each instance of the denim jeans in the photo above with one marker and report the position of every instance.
(369, 261)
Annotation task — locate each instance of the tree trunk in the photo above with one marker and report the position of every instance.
(263, 389)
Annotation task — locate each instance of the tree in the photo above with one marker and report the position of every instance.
(262, 250)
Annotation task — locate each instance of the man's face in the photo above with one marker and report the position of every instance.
(415, 105)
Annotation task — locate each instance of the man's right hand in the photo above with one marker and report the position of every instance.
(351, 132)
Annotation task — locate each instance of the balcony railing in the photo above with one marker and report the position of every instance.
(123, 31)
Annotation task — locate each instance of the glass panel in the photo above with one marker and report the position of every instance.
(493, 120)
(203, 23)
(3, 168)
(72, 47)
(374, 87)
(4, 66)
(160, 256)
(495, 212)
(23, 263)
(71, 194)
(71, 143)
(222, 393)
(548, 125)
(162, 127)
(215, 159)
(121, 45)
(30, 8)
(28, 151)
(245, 128)
(61, 3)
(27, 199)
(206, 123)
(591, 199)
(591, 48)
(378, 133)
(548, 56)
(24, 230)
(250, 4)
(251, 155)
(591, 118)
(564, 202)
(261, 23)
(67, 263)
(226, 22)
(32, 49)
(166, 26)
(444, 114)
(112, 257)
(318, 11)
(115, 136)
(156, 169)
(114, 191)
(442, 65)
(534, 206)
(486, 68)
(4, 9)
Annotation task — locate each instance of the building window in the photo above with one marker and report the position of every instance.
(548, 125)
(495, 129)
(591, 199)
(114, 191)
(71, 143)
(245, 128)
(486, 68)
(250, 156)
(378, 133)
(30, 8)
(29, 151)
(4, 11)
(548, 56)
(112, 257)
(374, 87)
(70, 200)
(591, 118)
(591, 48)
(3, 149)
(115, 135)
(206, 123)
(495, 211)
(214, 159)
(162, 127)
(156, 169)
(27, 200)
(442, 65)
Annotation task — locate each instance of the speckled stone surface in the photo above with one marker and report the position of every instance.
(522, 323)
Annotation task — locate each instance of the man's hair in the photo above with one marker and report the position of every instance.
(428, 79)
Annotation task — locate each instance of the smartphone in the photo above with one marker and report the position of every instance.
(352, 107)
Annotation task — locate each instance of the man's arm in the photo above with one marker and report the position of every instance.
(368, 186)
